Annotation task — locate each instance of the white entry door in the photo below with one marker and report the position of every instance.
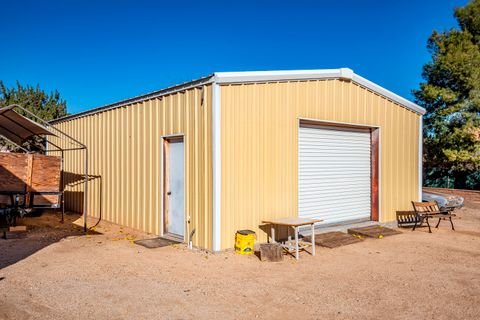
(334, 174)
(174, 188)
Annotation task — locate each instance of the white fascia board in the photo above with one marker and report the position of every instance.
(266, 76)
(342, 73)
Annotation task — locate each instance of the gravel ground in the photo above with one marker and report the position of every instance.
(56, 272)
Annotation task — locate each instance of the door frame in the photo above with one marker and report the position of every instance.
(164, 141)
(375, 156)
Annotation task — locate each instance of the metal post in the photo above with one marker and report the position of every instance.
(19, 146)
(296, 244)
(272, 232)
(313, 239)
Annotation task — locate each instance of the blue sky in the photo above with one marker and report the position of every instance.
(98, 52)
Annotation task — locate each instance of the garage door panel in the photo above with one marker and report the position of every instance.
(325, 170)
(324, 153)
(347, 215)
(325, 211)
(355, 203)
(338, 143)
(336, 178)
(333, 132)
(315, 187)
(313, 193)
(338, 219)
(328, 172)
(334, 174)
(313, 198)
(319, 146)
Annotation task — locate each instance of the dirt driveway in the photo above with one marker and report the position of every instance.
(58, 273)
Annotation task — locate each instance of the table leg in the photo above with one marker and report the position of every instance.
(296, 243)
(313, 240)
(272, 233)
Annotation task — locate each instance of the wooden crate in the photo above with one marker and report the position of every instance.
(271, 252)
(20, 172)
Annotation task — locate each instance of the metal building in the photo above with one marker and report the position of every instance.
(224, 152)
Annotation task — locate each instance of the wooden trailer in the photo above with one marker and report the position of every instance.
(28, 180)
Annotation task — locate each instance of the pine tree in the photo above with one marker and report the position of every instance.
(451, 95)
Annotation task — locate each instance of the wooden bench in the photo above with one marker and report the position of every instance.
(427, 210)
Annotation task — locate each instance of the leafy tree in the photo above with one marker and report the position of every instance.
(45, 106)
(451, 96)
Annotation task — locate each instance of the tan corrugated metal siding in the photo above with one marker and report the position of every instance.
(259, 132)
(125, 161)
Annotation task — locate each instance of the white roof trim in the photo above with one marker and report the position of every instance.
(265, 76)
(342, 73)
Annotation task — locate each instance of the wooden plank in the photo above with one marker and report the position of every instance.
(18, 229)
(373, 232)
(45, 173)
(333, 239)
(13, 171)
(29, 169)
(45, 178)
(28, 177)
(292, 222)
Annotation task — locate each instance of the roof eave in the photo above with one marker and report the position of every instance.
(143, 97)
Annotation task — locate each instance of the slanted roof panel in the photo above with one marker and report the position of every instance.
(18, 128)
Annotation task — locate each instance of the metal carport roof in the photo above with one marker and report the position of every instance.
(18, 128)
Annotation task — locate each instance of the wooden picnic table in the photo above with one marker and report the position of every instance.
(294, 223)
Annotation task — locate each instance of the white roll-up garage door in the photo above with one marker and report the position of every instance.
(334, 170)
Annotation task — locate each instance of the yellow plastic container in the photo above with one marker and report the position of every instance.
(244, 241)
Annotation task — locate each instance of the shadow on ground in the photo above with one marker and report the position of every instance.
(41, 232)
